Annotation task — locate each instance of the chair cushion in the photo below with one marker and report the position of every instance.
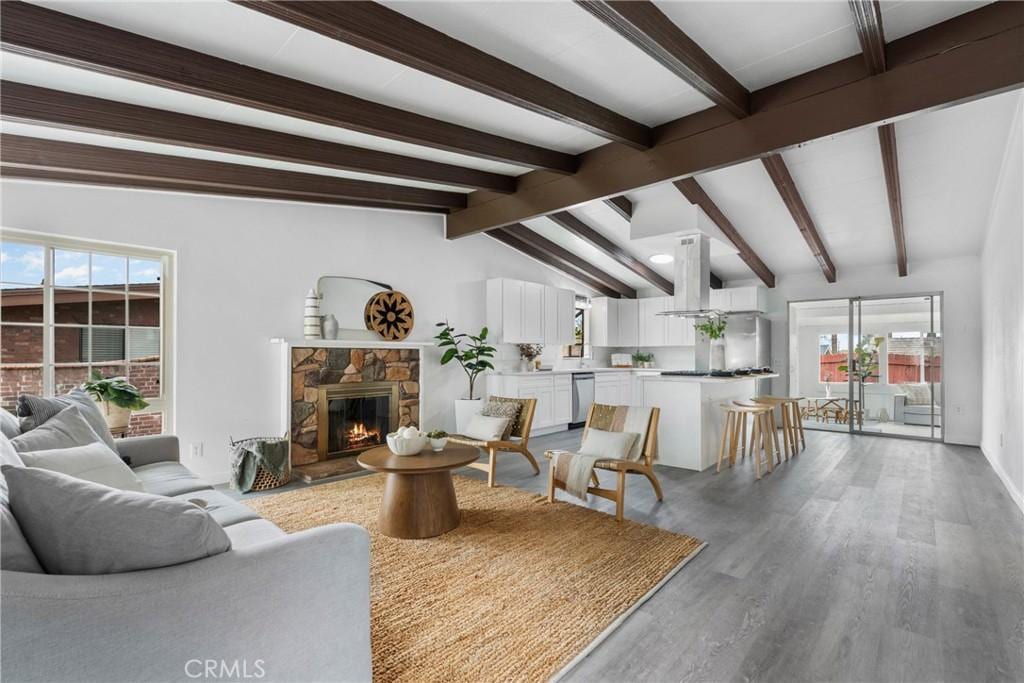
(36, 411)
(486, 428)
(169, 479)
(612, 445)
(223, 509)
(93, 462)
(78, 527)
(504, 407)
(253, 532)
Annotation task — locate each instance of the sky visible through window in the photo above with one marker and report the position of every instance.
(22, 265)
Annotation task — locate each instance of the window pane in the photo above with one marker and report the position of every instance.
(21, 264)
(70, 268)
(146, 424)
(905, 357)
(143, 311)
(108, 271)
(108, 308)
(19, 379)
(107, 345)
(109, 370)
(67, 377)
(146, 378)
(144, 344)
(70, 344)
(21, 344)
(832, 353)
(21, 305)
(70, 306)
(144, 275)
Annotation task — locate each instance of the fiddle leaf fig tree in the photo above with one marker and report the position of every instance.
(116, 390)
(865, 359)
(471, 351)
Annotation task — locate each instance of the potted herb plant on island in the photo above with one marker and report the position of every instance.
(713, 328)
(473, 353)
(118, 398)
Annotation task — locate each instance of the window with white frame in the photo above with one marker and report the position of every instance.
(68, 308)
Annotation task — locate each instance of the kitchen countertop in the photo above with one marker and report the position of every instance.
(642, 372)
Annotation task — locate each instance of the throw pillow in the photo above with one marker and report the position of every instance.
(9, 426)
(499, 408)
(483, 428)
(93, 462)
(36, 411)
(611, 445)
(66, 430)
(78, 527)
(15, 553)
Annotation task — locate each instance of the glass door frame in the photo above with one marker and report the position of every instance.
(853, 392)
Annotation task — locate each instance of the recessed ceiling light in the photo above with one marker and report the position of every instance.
(661, 258)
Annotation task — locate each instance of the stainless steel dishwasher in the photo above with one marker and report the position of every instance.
(582, 397)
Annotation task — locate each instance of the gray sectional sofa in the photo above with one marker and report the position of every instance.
(276, 607)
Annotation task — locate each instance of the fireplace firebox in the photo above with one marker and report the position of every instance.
(354, 417)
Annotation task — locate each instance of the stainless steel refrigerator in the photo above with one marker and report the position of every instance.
(748, 345)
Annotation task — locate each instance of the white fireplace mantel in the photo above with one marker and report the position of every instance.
(299, 342)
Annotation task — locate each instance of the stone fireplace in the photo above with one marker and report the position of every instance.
(345, 400)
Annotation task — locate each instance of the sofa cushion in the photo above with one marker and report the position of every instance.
(15, 553)
(223, 509)
(36, 411)
(65, 430)
(253, 532)
(93, 462)
(9, 426)
(169, 479)
(78, 527)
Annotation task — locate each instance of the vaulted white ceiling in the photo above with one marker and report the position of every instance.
(949, 159)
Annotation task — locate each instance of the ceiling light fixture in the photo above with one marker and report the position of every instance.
(661, 258)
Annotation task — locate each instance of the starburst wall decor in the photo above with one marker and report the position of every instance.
(390, 315)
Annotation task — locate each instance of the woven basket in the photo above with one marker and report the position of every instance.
(266, 480)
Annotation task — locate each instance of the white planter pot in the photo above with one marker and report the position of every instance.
(464, 410)
(117, 417)
(718, 355)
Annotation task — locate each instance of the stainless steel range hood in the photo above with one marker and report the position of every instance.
(693, 281)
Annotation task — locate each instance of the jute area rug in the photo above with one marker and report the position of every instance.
(519, 590)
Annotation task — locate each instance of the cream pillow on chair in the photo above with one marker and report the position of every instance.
(484, 428)
(612, 445)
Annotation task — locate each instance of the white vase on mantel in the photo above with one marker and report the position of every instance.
(465, 409)
(311, 319)
(330, 327)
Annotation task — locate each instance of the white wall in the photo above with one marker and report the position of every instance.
(1002, 323)
(243, 268)
(958, 279)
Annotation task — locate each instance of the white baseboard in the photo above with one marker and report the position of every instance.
(958, 440)
(1015, 495)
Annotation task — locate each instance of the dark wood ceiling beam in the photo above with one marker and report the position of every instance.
(643, 24)
(593, 237)
(20, 152)
(384, 32)
(527, 235)
(696, 195)
(512, 240)
(622, 206)
(867, 15)
(784, 183)
(42, 106)
(53, 36)
(975, 55)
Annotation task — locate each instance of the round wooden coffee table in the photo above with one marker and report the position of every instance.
(419, 497)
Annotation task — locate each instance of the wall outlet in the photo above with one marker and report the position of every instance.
(197, 450)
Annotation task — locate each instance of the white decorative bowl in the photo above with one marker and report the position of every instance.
(438, 444)
(402, 446)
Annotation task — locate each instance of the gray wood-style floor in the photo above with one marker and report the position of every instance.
(862, 559)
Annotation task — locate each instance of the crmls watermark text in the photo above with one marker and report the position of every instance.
(217, 669)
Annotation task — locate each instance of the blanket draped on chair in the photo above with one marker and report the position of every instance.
(573, 471)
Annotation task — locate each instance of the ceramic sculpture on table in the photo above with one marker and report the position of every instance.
(311, 316)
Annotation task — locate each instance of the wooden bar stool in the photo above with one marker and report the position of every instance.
(790, 410)
(733, 435)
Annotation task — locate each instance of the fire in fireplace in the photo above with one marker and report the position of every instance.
(354, 417)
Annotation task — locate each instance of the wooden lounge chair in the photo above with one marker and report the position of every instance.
(644, 466)
(520, 431)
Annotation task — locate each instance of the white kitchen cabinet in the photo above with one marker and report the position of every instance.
(566, 318)
(651, 326)
(629, 315)
(752, 298)
(562, 404)
(604, 322)
(533, 313)
(551, 316)
(552, 391)
(529, 313)
(542, 389)
(678, 331)
(613, 388)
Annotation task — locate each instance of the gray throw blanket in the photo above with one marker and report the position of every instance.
(249, 454)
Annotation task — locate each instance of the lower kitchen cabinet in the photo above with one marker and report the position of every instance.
(613, 388)
(552, 391)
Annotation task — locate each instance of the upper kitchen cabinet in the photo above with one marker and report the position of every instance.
(635, 322)
(729, 299)
(604, 322)
(529, 313)
(652, 328)
(629, 318)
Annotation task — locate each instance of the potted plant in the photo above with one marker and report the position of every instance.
(118, 398)
(713, 328)
(642, 359)
(473, 353)
(529, 353)
(438, 439)
(865, 359)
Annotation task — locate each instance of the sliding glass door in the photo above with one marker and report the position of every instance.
(869, 365)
